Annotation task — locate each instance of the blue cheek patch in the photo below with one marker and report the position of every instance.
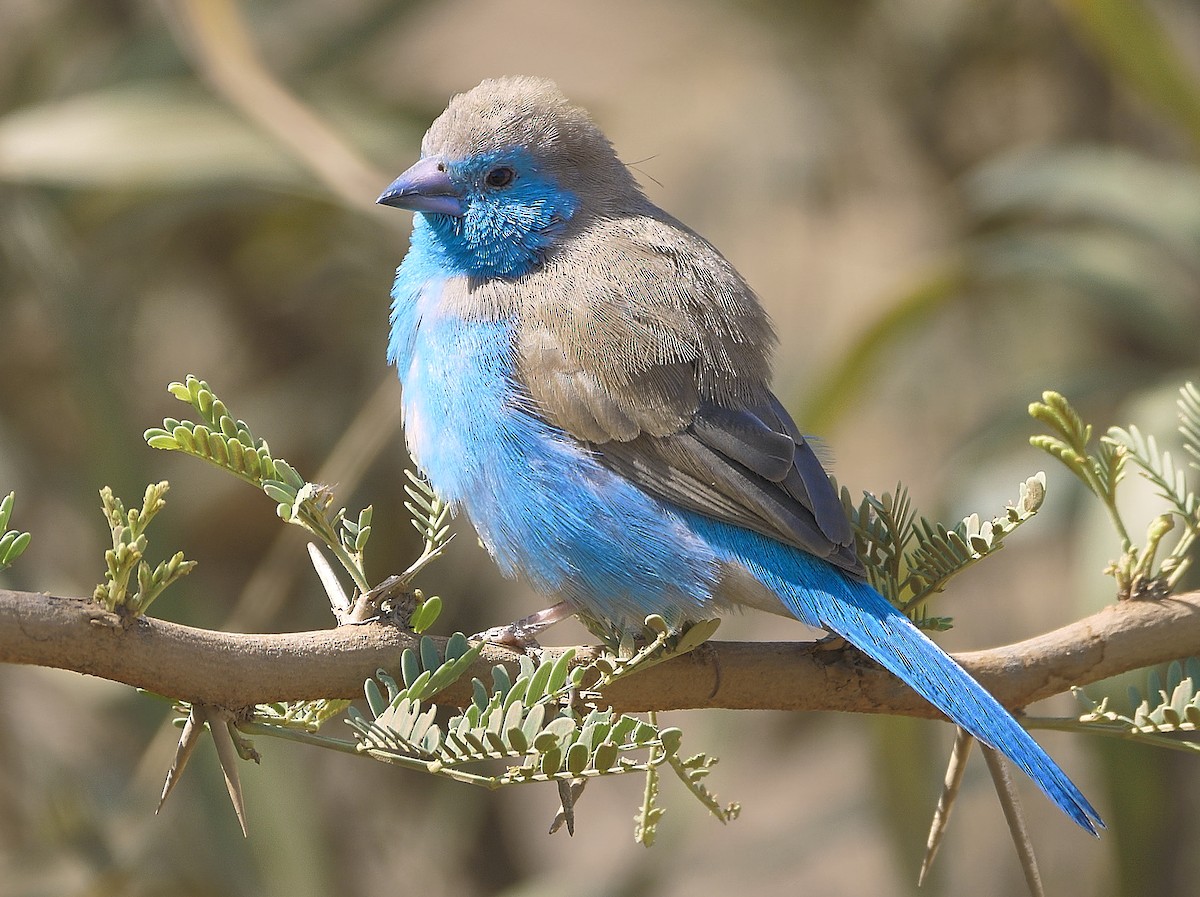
(506, 231)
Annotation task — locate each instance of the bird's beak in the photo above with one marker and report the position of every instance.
(426, 187)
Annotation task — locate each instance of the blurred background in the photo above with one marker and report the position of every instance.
(946, 206)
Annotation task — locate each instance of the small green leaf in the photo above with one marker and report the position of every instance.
(218, 450)
(288, 474)
(183, 436)
(605, 756)
(279, 492)
(426, 614)
(254, 465)
(538, 683)
(16, 543)
(456, 646)
(576, 759)
(375, 698)
(410, 667)
(360, 540)
(671, 740)
(480, 696)
(161, 439)
(517, 740)
(501, 681)
(558, 672)
(430, 658)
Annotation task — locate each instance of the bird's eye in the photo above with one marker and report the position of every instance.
(500, 177)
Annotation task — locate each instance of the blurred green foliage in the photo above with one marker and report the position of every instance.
(947, 208)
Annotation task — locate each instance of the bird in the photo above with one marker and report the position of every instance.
(587, 379)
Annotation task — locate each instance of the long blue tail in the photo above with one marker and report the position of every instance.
(875, 627)
(822, 596)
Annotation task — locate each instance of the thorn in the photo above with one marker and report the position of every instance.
(568, 793)
(338, 600)
(1007, 793)
(193, 731)
(963, 742)
(220, 723)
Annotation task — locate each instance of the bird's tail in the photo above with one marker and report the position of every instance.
(879, 630)
(822, 596)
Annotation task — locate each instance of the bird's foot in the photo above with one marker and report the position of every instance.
(521, 635)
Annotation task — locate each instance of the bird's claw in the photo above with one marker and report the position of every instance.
(521, 635)
(519, 638)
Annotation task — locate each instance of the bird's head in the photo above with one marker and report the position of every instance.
(505, 170)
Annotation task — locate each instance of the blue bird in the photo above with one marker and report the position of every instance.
(587, 378)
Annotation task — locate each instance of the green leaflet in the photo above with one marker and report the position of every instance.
(12, 542)
(229, 444)
(909, 558)
(1139, 572)
(529, 722)
(126, 558)
(1165, 714)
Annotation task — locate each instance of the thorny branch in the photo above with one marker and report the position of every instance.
(235, 670)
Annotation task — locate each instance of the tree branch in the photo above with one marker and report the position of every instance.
(236, 670)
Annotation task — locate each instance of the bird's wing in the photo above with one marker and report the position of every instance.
(649, 347)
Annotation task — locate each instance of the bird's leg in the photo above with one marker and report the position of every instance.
(522, 634)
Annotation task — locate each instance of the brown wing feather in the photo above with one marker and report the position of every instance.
(640, 339)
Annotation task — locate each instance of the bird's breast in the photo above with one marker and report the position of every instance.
(538, 498)
(458, 396)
